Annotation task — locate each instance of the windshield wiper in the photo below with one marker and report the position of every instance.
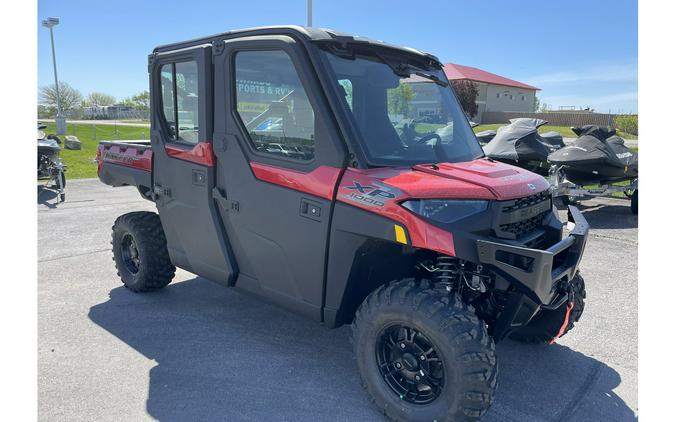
(433, 78)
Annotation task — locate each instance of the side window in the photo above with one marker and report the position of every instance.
(180, 100)
(273, 104)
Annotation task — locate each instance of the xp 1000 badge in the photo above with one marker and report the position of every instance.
(371, 194)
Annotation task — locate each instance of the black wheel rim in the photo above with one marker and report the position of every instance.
(130, 256)
(410, 364)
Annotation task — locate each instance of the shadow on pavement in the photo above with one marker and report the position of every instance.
(47, 197)
(614, 215)
(222, 355)
(610, 216)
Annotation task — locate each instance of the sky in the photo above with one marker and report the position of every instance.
(579, 53)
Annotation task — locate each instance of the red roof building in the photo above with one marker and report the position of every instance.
(495, 93)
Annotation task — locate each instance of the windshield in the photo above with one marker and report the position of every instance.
(404, 117)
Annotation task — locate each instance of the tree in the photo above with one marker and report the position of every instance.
(398, 101)
(141, 101)
(536, 103)
(99, 99)
(45, 111)
(467, 93)
(70, 97)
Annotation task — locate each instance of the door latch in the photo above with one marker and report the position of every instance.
(310, 209)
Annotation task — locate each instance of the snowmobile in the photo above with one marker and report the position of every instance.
(49, 164)
(520, 144)
(599, 157)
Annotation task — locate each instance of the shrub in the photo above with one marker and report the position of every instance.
(627, 123)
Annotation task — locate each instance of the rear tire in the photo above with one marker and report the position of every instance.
(463, 375)
(546, 324)
(634, 202)
(140, 253)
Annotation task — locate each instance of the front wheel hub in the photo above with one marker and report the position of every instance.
(410, 364)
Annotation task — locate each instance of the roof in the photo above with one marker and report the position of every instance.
(458, 71)
(310, 33)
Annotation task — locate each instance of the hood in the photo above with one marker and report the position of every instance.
(478, 179)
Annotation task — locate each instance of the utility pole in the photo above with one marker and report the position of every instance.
(309, 13)
(60, 118)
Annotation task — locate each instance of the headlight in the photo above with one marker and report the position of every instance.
(445, 210)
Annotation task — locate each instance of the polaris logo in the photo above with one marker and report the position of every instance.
(369, 195)
(531, 186)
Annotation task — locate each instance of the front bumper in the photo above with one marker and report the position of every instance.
(537, 274)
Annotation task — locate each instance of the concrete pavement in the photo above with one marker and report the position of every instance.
(201, 352)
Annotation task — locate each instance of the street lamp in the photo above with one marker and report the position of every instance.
(60, 118)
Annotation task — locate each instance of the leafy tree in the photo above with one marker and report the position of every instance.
(536, 103)
(71, 98)
(45, 111)
(141, 100)
(398, 99)
(467, 93)
(99, 99)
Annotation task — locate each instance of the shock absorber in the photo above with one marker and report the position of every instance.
(448, 271)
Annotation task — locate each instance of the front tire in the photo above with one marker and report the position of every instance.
(403, 321)
(634, 202)
(140, 253)
(544, 327)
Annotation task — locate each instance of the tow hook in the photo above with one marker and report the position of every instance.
(570, 306)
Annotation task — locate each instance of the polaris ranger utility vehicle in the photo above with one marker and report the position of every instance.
(338, 177)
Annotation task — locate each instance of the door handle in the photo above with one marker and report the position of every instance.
(310, 209)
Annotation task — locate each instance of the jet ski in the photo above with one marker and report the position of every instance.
(596, 156)
(49, 164)
(520, 144)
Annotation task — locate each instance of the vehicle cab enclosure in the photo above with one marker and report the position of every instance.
(310, 167)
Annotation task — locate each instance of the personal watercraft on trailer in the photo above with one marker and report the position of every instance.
(49, 164)
(520, 144)
(486, 136)
(597, 156)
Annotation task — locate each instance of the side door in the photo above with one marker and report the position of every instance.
(184, 163)
(279, 159)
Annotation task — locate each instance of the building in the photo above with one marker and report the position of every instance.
(495, 93)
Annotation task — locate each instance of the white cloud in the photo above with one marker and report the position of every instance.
(624, 101)
(626, 72)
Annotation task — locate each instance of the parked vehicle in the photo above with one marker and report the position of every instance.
(430, 250)
(50, 168)
(485, 136)
(597, 157)
(519, 143)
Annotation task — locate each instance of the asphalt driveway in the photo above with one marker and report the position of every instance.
(197, 351)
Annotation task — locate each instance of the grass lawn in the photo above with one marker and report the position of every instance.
(80, 164)
(144, 121)
(563, 130)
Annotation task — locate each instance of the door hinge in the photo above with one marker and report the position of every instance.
(158, 191)
(227, 204)
(217, 48)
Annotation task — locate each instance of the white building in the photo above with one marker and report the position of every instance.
(495, 93)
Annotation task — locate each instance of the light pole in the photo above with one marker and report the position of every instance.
(60, 118)
(309, 13)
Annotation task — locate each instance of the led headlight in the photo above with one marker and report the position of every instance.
(445, 210)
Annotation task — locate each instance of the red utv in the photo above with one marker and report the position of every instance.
(387, 216)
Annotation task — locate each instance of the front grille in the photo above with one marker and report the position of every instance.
(527, 201)
(522, 216)
(524, 227)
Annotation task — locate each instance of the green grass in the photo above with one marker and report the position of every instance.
(80, 164)
(563, 130)
(144, 121)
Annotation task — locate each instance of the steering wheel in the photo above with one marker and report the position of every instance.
(426, 138)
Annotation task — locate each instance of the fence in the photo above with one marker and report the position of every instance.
(553, 118)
